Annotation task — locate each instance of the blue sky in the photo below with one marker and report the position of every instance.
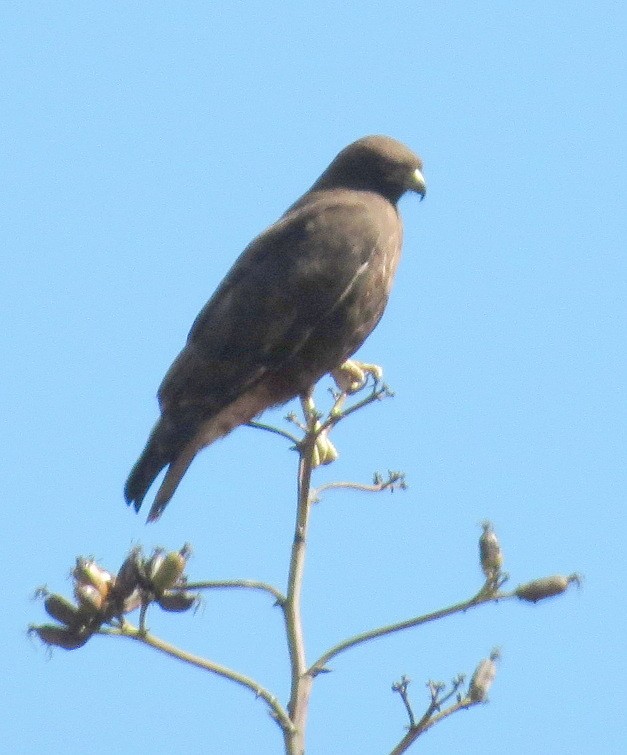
(144, 145)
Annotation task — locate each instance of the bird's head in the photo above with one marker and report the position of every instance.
(375, 163)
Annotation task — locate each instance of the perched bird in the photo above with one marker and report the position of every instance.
(300, 300)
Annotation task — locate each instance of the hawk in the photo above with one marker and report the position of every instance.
(300, 300)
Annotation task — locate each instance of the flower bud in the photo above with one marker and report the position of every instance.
(315, 457)
(61, 609)
(327, 451)
(482, 678)
(546, 587)
(490, 554)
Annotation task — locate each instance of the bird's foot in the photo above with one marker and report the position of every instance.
(351, 376)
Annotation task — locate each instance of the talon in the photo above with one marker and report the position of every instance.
(351, 376)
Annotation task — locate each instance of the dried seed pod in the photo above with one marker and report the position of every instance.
(482, 678)
(89, 598)
(61, 636)
(62, 609)
(490, 554)
(170, 570)
(152, 565)
(133, 601)
(88, 572)
(177, 600)
(130, 574)
(546, 587)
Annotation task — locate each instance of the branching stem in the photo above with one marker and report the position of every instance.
(338, 413)
(429, 719)
(120, 594)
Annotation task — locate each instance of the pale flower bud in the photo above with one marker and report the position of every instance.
(546, 587)
(490, 554)
(482, 678)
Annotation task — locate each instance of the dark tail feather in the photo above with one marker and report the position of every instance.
(178, 467)
(156, 455)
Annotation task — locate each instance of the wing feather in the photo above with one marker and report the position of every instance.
(281, 289)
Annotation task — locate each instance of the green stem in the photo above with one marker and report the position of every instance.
(301, 681)
(133, 633)
(275, 430)
(481, 597)
(245, 584)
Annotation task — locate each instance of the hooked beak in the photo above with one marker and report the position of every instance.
(417, 183)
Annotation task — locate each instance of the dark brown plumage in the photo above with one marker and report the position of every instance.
(300, 300)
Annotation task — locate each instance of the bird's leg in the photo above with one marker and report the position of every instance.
(324, 452)
(351, 376)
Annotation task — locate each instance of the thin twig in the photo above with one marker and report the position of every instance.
(133, 633)
(481, 597)
(429, 720)
(376, 487)
(401, 687)
(377, 393)
(246, 584)
(274, 430)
